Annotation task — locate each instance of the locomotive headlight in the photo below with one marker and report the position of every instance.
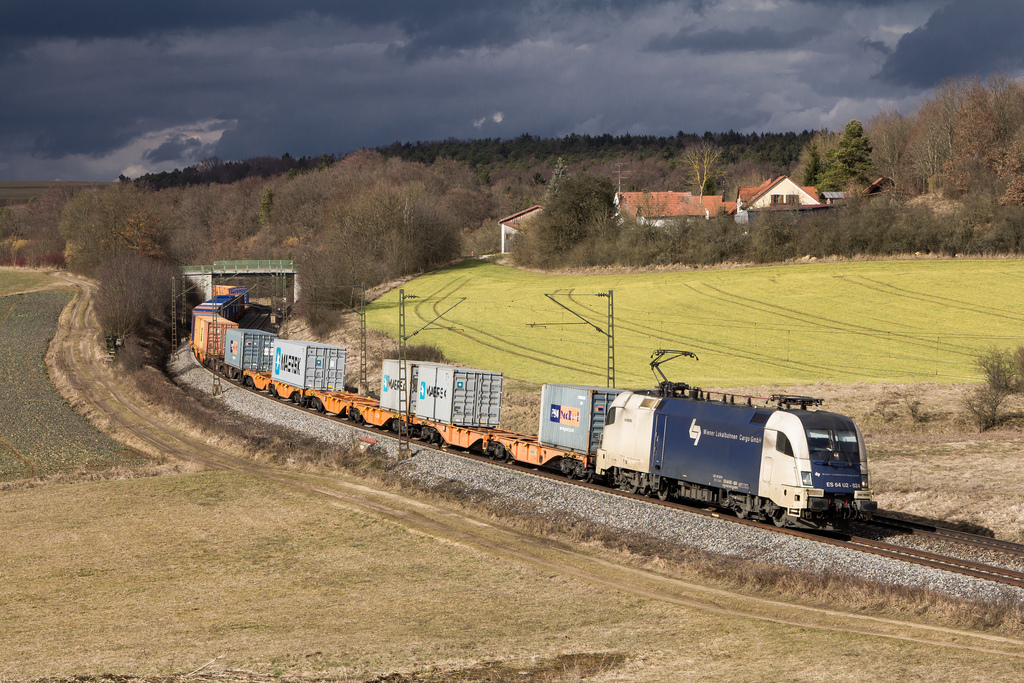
(864, 481)
(805, 479)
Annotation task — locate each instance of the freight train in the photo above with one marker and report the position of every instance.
(774, 460)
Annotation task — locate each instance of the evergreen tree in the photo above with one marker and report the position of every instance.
(812, 172)
(556, 178)
(850, 162)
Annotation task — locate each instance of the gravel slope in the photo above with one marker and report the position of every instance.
(544, 496)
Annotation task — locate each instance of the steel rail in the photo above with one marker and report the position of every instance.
(949, 535)
(954, 565)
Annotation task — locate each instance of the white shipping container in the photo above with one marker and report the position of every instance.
(391, 383)
(458, 396)
(309, 365)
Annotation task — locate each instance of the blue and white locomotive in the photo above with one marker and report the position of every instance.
(785, 463)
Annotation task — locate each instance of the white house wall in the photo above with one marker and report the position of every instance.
(784, 187)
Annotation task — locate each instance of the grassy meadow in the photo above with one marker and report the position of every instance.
(903, 321)
(14, 280)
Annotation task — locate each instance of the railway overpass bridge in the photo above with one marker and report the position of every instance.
(283, 275)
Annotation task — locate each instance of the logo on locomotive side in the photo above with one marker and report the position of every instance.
(695, 431)
(565, 415)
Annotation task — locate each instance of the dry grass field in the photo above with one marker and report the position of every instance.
(159, 576)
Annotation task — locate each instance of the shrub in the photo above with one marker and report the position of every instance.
(427, 353)
(1003, 377)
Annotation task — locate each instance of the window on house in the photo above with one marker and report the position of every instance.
(776, 199)
(792, 199)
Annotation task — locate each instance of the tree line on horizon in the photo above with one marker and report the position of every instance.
(373, 215)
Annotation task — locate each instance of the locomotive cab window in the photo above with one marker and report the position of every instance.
(782, 444)
(833, 445)
(610, 417)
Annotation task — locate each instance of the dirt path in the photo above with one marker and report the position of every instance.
(75, 357)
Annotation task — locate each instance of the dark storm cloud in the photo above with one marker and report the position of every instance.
(434, 23)
(177, 147)
(876, 45)
(94, 88)
(754, 39)
(964, 38)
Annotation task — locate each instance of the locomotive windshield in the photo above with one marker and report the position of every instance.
(833, 445)
(830, 437)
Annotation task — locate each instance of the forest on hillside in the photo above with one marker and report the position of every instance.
(366, 217)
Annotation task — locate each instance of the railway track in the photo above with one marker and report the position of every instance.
(948, 535)
(980, 570)
(77, 352)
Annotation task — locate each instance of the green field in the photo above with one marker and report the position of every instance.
(14, 280)
(40, 434)
(876, 321)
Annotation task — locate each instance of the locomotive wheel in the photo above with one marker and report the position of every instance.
(664, 490)
(780, 518)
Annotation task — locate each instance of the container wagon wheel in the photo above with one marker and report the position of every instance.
(664, 489)
(500, 453)
(355, 416)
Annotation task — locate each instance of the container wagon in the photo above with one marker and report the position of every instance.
(246, 349)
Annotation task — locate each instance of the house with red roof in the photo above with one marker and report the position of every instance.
(776, 194)
(512, 225)
(659, 208)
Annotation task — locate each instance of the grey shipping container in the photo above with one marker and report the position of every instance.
(572, 417)
(390, 383)
(309, 365)
(249, 349)
(457, 396)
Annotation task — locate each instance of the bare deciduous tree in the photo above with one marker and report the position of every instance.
(702, 161)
